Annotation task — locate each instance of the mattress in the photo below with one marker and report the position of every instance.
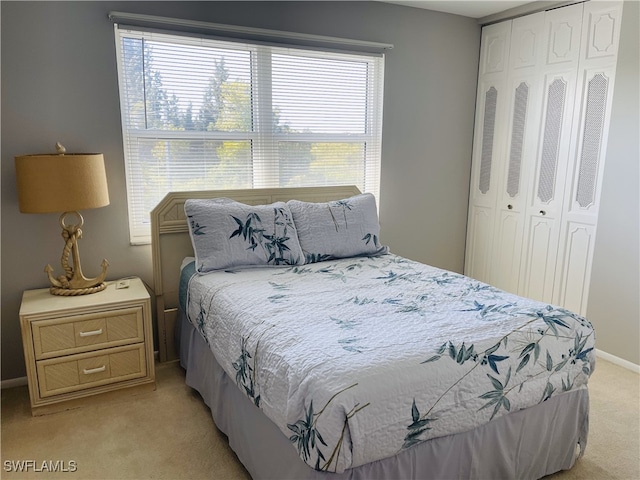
(527, 444)
(361, 359)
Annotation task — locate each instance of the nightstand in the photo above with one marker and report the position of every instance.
(76, 347)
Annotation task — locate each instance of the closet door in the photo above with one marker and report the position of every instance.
(544, 209)
(490, 126)
(524, 96)
(600, 36)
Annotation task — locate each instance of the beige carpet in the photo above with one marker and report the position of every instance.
(169, 434)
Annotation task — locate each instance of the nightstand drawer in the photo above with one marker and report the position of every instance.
(83, 333)
(86, 370)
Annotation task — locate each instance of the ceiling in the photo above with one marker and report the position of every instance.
(467, 8)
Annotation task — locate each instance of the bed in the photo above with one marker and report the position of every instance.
(321, 367)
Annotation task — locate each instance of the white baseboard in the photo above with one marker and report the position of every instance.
(618, 361)
(13, 382)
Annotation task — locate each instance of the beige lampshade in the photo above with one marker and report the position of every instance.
(50, 183)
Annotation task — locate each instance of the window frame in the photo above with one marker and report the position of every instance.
(261, 137)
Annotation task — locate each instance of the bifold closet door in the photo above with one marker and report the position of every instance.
(544, 209)
(596, 72)
(524, 97)
(489, 129)
(545, 88)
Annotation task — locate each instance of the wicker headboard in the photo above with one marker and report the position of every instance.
(170, 243)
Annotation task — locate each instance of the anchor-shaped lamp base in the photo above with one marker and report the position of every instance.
(73, 282)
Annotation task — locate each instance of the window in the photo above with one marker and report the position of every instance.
(203, 114)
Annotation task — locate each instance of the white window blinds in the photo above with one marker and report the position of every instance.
(203, 114)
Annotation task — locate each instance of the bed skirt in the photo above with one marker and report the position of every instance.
(527, 444)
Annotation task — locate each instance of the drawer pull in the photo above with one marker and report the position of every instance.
(91, 333)
(89, 371)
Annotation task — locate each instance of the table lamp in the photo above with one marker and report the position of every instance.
(52, 183)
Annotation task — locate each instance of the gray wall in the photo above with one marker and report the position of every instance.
(59, 83)
(614, 298)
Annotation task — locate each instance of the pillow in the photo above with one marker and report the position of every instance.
(344, 228)
(229, 234)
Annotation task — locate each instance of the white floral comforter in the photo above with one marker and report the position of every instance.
(357, 359)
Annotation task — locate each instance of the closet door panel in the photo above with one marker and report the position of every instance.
(490, 111)
(541, 259)
(486, 151)
(563, 29)
(596, 75)
(577, 245)
(508, 251)
(592, 125)
(494, 51)
(601, 28)
(480, 241)
(527, 43)
(490, 127)
(483, 180)
(524, 97)
(545, 200)
(580, 215)
(555, 143)
(544, 209)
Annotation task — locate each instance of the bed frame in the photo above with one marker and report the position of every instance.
(170, 243)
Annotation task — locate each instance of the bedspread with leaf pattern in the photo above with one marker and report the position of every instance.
(357, 359)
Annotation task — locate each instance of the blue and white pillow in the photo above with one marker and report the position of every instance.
(227, 234)
(338, 229)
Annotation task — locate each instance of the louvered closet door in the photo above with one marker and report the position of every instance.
(544, 209)
(490, 127)
(524, 96)
(600, 35)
